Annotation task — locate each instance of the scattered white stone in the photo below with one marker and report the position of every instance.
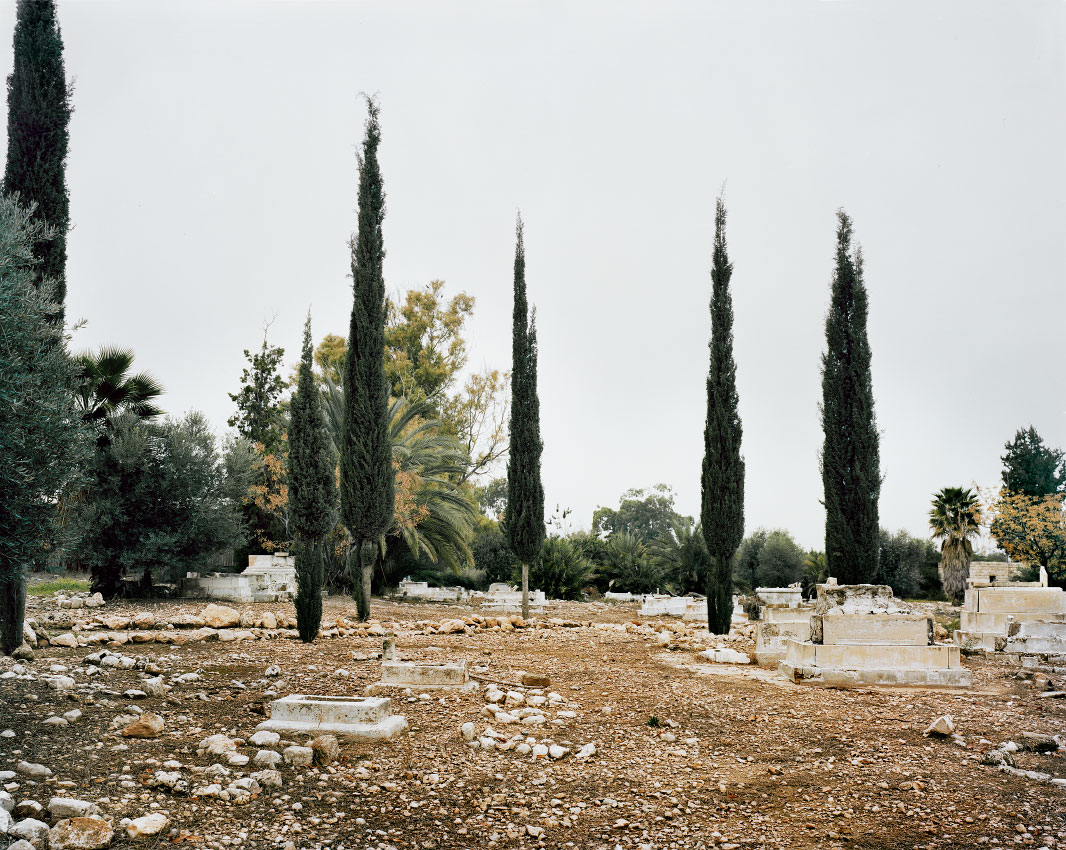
(468, 731)
(557, 752)
(942, 726)
(298, 756)
(64, 640)
(32, 830)
(151, 824)
(33, 770)
(585, 752)
(266, 758)
(264, 738)
(63, 807)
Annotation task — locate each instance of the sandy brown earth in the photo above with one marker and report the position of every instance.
(755, 761)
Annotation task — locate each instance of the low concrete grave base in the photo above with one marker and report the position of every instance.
(369, 718)
(986, 641)
(840, 678)
(776, 627)
(423, 676)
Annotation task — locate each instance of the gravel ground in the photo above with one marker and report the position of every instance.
(688, 754)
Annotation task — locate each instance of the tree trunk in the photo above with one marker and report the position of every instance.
(719, 598)
(12, 611)
(367, 555)
(525, 591)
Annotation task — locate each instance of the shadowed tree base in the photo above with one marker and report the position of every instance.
(12, 611)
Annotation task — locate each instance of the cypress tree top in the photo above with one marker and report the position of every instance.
(367, 500)
(525, 492)
(38, 112)
(851, 474)
(311, 489)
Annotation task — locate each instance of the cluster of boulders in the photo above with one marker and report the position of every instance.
(63, 599)
(226, 781)
(1002, 756)
(501, 623)
(519, 706)
(64, 823)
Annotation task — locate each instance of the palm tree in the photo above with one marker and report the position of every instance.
(629, 565)
(954, 517)
(683, 557)
(106, 388)
(434, 517)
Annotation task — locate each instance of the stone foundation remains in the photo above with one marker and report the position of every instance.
(268, 578)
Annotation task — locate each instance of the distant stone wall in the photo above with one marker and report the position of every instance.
(998, 572)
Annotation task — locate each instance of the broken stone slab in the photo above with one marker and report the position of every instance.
(62, 807)
(358, 717)
(151, 824)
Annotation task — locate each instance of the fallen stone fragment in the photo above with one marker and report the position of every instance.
(1036, 742)
(171, 780)
(467, 730)
(264, 738)
(67, 640)
(151, 824)
(92, 833)
(266, 758)
(270, 778)
(220, 616)
(22, 844)
(64, 807)
(33, 770)
(326, 749)
(941, 727)
(216, 745)
(148, 725)
(32, 830)
(298, 756)
(585, 752)
(536, 680)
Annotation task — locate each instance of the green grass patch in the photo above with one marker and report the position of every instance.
(44, 588)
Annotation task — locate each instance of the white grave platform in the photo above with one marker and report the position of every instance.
(781, 597)
(860, 635)
(357, 717)
(775, 627)
(502, 597)
(424, 676)
(989, 609)
(421, 590)
(267, 578)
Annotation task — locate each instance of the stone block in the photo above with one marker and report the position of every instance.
(876, 629)
(423, 675)
(358, 717)
(1028, 600)
(873, 656)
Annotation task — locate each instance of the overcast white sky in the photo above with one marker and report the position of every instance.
(212, 180)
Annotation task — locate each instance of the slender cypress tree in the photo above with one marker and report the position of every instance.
(367, 496)
(525, 492)
(312, 496)
(38, 112)
(851, 472)
(722, 481)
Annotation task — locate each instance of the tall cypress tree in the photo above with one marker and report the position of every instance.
(525, 492)
(722, 506)
(367, 496)
(38, 112)
(851, 474)
(311, 492)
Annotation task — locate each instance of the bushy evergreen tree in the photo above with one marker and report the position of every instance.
(43, 439)
(722, 480)
(367, 488)
(38, 112)
(311, 492)
(1032, 468)
(524, 520)
(851, 474)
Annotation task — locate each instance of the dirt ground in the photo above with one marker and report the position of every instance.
(754, 762)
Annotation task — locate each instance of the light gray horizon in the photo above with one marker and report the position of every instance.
(212, 176)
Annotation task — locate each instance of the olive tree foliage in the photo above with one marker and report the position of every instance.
(646, 513)
(158, 504)
(43, 440)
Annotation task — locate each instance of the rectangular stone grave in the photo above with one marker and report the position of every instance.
(357, 717)
(780, 597)
(419, 675)
(877, 629)
(775, 627)
(990, 610)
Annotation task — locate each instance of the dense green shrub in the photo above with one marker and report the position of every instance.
(630, 567)
(157, 504)
(562, 571)
(492, 552)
